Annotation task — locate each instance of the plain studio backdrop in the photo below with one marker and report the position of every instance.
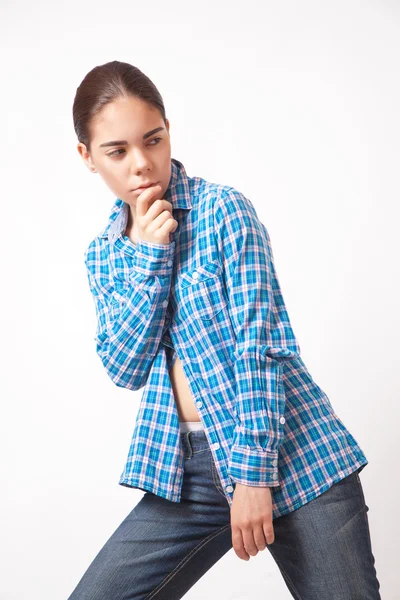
(296, 104)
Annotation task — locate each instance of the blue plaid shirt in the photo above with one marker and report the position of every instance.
(212, 297)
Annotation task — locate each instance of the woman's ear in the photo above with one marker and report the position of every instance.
(86, 157)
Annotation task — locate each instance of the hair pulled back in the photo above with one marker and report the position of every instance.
(104, 84)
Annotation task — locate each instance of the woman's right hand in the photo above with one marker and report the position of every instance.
(154, 220)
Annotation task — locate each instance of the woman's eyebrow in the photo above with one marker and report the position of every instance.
(122, 142)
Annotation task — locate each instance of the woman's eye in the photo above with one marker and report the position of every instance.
(115, 152)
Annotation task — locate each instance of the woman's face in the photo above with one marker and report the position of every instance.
(121, 155)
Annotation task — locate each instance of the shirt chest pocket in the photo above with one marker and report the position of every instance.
(202, 292)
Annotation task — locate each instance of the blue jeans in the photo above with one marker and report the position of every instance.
(159, 551)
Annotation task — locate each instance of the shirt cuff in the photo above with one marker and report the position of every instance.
(153, 259)
(253, 467)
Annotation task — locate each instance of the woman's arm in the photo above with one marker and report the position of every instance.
(264, 338)
(131, 315)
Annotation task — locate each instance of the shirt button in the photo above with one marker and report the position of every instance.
(274, 475)
(216, 446)
(229, 488)
(282, 419)
(274, 462)
(169, 263)
(199, 404)
(165, 303)
(195, 275)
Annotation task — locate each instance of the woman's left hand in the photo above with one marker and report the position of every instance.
(251, 520)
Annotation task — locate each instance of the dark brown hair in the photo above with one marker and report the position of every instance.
(104, 84)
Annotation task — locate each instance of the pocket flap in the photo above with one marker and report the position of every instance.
(200, 273)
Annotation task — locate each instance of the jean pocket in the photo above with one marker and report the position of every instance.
(208, 449)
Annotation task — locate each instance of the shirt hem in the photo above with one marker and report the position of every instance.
(134, 483)
(304, 499)
(315, 493)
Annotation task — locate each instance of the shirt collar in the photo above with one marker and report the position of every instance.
(178, 193)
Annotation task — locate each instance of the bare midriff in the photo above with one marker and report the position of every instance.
(186, 407)
(187, 410)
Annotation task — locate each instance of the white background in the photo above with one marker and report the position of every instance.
(296, 104)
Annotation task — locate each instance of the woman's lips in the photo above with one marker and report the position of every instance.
(140, 190)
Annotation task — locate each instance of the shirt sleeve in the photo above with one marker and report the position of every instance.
(130, 312)
(263, 339)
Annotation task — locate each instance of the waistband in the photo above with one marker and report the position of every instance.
(190, 426)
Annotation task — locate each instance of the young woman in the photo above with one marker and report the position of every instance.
(235, 445)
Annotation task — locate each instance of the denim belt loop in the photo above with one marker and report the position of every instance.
(188, 444)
